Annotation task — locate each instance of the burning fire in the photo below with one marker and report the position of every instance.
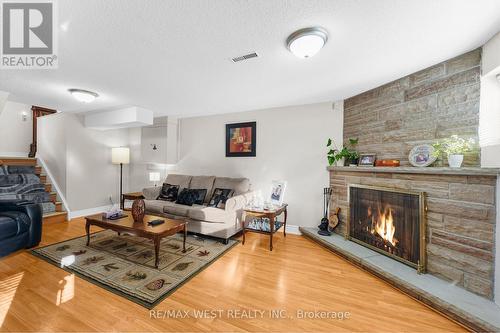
(383, 224)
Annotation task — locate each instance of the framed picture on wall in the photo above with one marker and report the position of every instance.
(241, 139)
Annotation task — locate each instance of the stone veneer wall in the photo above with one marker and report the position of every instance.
(460, 221)
(434, 103)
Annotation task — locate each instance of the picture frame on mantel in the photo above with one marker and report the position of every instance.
(367, 159)
(241, 139)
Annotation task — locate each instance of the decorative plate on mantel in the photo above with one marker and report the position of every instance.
(422, 156)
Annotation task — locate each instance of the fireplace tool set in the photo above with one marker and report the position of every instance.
(326, 226)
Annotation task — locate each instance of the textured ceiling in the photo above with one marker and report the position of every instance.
(173, 57)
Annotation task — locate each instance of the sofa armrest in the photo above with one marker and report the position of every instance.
(239, 202)
(151, 193)
(34, 212)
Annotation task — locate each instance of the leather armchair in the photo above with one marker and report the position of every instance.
(20, 225)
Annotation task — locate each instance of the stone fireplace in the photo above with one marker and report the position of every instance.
(460, 216)
(391, 222)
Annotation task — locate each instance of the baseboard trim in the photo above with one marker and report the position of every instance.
(293, 229)
(88, 211)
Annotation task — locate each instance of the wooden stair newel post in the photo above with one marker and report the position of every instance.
(38, 111)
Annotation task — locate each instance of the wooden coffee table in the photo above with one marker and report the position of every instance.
(127, 225)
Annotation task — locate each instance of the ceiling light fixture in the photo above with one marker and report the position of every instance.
(305, 43)
(83, 96)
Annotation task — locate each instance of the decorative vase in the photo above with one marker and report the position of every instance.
(138, 210)
(340, 162)
(455, 161)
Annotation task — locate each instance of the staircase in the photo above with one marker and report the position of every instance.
(22, 178)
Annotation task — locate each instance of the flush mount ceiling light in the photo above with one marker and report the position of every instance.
(305, 43)
(83, 96)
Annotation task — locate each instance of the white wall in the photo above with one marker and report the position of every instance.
(291, 146)
(15, 134)
(80, 160)
(489, 115)
(51, 146)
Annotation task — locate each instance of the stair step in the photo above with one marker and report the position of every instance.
(38, 170)
(58, 206)
(55, 217)
(53, 197)
(48, 187)
(17, 161)
(43, 179)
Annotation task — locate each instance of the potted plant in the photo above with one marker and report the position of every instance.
(342, 157)
(454, 147)
(352, 156)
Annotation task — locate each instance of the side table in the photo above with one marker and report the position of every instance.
(271, 214)
(130, 196)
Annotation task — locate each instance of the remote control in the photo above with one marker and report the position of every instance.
(156, 222)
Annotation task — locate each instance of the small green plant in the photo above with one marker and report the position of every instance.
(347, 153)
(453, 145)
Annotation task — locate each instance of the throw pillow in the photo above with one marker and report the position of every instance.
(187, 197)
(220, 197)
(168, 192)
(200, 195)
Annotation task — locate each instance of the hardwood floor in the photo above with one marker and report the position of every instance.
(297, 275)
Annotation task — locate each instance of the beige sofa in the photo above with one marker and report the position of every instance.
(211, 221)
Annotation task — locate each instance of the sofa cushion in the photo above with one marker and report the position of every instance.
(155, 206)
(168, 192)
(151, 193)
(220, 197)
(210, 214)
(181, 180)
(203, 182)
(187, 197)
(239, 185)
(179, 210)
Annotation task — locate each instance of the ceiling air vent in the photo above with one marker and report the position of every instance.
(245, 57)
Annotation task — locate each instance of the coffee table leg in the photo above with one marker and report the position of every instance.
(184, 241)
(156, 241)
(87, 230)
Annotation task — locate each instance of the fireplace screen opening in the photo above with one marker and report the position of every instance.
(390, 222)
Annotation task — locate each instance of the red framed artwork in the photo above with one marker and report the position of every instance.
(241, 139)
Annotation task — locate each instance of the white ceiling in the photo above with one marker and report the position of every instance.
(173, 57)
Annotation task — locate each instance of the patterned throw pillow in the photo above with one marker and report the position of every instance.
(168, 192)
(200, 195)
(220, 197)
(187, 197)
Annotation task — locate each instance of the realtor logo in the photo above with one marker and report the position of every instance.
(28, 35)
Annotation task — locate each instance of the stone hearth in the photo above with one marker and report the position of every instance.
(475, 312)
(461, 216)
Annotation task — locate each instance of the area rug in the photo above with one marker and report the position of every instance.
(124, 264)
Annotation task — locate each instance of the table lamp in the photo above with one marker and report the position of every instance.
(120, 155)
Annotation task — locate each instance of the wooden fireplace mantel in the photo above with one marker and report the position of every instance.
(466, 171)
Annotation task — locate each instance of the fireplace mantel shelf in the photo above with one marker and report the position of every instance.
(466, 171)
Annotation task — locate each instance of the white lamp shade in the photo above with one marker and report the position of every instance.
(120, 155)
(154, 176)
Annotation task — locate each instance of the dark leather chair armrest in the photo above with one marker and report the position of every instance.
(34, 212)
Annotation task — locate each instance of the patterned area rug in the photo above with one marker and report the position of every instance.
(125, 264)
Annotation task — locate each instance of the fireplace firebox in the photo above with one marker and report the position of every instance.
(389, 221)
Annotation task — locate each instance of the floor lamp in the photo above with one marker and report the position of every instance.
(120, 155)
